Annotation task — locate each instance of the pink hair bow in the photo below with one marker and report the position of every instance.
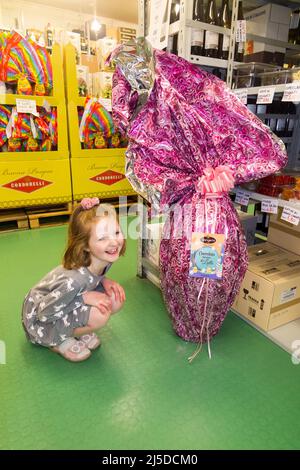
(215, 180)
(89, 202)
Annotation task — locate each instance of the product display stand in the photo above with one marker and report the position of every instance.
(39, 178)
(95, 172)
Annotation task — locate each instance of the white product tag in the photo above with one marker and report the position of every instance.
(26, 106)
(270, 206)
(156, 28)
(47, 106)
(33, 128)
(106, 102)
(197, 37)
(242, 198)
(211, 40)
(9, 126)
(265, 95)
(241, 31)
(241, 94)
(289, 214)
(292, 92)
(288, 295)
(226, 41)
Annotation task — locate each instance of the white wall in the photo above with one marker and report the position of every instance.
(32, 15)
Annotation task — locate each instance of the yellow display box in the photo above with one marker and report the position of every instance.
(58, 101)
(101, 177)
(30, 183)
(73, 102)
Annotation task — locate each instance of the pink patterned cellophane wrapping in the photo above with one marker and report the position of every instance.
(192, 121)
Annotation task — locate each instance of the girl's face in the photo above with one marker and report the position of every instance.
(106, 240)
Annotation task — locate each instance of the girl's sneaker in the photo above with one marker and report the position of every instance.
(72, 350)
(90, 341)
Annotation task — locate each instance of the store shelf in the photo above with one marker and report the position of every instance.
(209, 61)
(261, 197)
(207, 27)
(284, 336)
(40, 100)
(255, 89)
(276, 116)
(174, 28)
(273, 42)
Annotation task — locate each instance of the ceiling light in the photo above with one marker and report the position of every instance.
(95, 26)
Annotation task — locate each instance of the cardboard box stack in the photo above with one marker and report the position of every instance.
(270, 21)
(270, 293)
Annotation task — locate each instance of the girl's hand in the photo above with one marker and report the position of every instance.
(112, 287)
(99, 300)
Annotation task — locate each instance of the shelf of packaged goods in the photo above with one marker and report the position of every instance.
(56, 100)
(40, 100)
(261, 197)
(62, 151)
(73, 102)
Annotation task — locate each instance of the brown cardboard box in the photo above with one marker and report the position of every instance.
(284, 234)
(91, 62)
(266, 57)
(270, 21)
(270, 292)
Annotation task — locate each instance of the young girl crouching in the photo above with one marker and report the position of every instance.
(76, 299)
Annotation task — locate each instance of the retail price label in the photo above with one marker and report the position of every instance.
(242, 198)
(241, 94)
(265, 95)
(289, 214)
(26, 106)
(291, 92)
(106, 102)
(270, 206)
(241, 31)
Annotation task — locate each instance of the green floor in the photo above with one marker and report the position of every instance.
(138, 391)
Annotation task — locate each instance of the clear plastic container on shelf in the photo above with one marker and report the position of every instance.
(249, 74)
(280, 77)
(293, 74)
(277, 185)
(273, 78)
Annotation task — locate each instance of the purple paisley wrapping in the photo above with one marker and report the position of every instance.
(191, 121)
